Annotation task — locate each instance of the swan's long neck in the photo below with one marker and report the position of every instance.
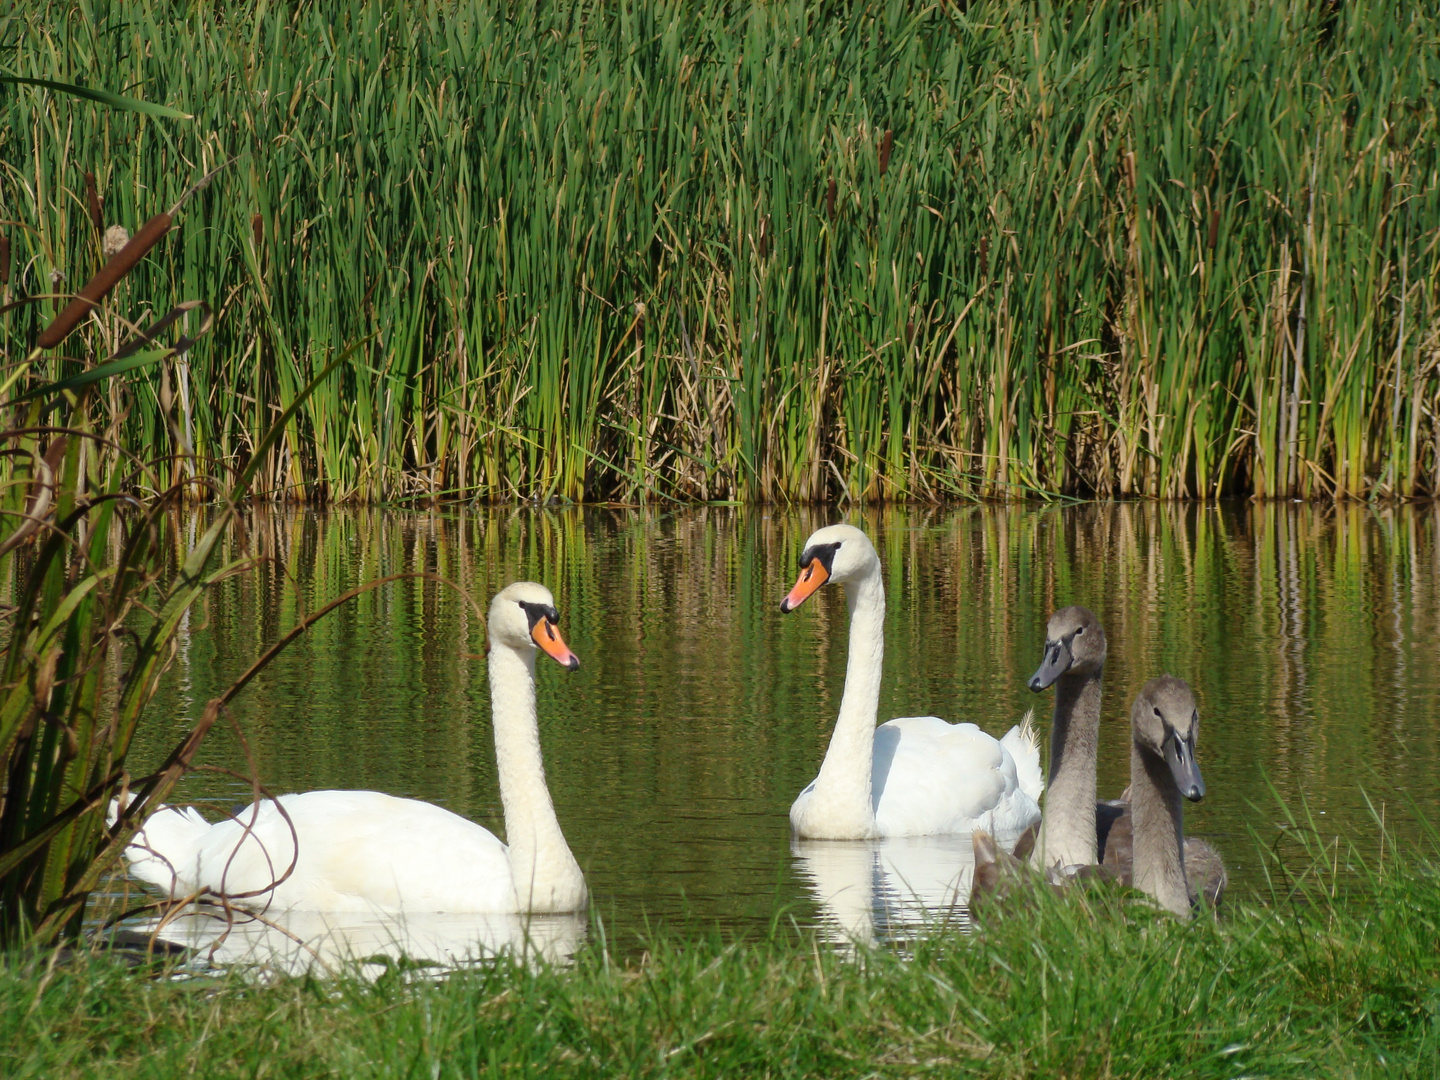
(842, 798)
(1159, 823)
(1067, 832)
(547, 877)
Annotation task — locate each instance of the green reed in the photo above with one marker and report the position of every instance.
(788, 251)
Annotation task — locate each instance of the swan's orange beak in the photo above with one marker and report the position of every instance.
(811, 578)
(549, 639)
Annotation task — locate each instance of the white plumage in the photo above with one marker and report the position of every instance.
(915, 776)
(359, 851)
(371, 852)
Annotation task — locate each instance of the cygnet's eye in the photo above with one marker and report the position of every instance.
(1079, 630)
(1157, 713)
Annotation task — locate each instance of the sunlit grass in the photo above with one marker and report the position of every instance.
(1307, 984)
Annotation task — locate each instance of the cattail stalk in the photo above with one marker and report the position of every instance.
(92, 197)
(99, 286)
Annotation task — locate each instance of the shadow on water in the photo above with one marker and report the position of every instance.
(699, 712)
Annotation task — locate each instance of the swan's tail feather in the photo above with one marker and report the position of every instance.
(163, 853)
(1023, 743)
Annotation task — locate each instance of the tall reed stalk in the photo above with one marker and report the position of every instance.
(784, 251)
(103, 583)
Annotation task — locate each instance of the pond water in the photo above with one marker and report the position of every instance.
(699, 711)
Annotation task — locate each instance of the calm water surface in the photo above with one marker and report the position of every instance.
(699, 711)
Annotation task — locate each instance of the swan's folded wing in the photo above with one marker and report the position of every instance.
(1205, 872)
(1023, 745)
(358, 851)
(931, 777)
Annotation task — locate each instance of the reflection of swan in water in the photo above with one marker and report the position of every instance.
(297, 942)
(886, 890)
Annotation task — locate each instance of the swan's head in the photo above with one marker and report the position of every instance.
(1074, 641)
(1165, 723)
(523, 616)
(838, 553)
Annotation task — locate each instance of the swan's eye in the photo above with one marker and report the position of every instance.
(535, 612)
(1157, 713)
(1079, 630)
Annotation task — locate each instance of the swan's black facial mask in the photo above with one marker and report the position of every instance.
(535, 612)
(543, 632)
(816, 562)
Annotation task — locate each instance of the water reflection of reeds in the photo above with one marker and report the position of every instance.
(700, 711)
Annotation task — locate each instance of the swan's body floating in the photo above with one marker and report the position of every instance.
(916, 776)
(371, 852)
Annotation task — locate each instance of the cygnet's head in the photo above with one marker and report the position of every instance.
(523, 616)
(1165, 723)
(1074, 641)
(837, 553)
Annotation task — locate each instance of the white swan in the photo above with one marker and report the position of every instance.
(915, 776)
(365, 851)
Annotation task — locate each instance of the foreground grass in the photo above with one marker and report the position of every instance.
(1098, 987)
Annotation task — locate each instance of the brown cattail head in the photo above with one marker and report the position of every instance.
(886, 145)
(92, 197)
(763, 243)
(257, 228)
(4, 261)
(1214, 229)
(99, 286)
(984, 256)
(830, 199)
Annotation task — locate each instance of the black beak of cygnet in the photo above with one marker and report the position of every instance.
(1056, 663)
(1180, 756)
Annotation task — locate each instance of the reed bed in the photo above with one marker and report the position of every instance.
(718, 251)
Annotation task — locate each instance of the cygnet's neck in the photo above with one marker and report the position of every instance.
(1159, 831)
(842, 802)
(546, 875)
(1067, 831)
